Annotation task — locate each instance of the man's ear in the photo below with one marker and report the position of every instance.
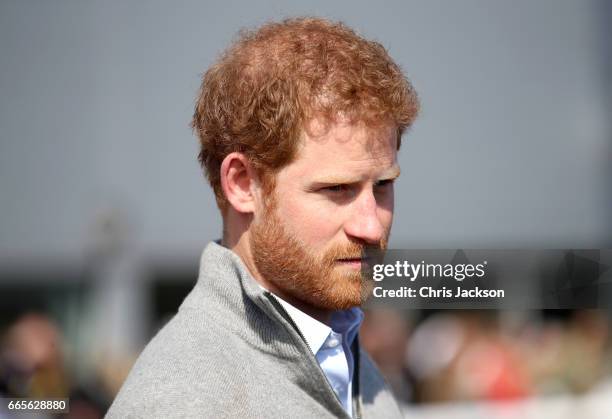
(239, 181)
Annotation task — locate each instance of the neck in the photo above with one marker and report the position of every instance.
(238, 242)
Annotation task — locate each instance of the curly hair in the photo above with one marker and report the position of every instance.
(264, 89)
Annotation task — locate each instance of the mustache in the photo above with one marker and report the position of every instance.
(352, 250)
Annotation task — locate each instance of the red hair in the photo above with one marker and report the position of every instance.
(258, 97)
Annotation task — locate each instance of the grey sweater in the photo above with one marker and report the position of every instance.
(232, 351)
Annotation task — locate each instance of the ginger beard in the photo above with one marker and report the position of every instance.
(317, 279)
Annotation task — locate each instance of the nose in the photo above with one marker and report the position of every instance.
(364, 223)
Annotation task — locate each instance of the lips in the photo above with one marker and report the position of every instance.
(353, 260)
(358, 262)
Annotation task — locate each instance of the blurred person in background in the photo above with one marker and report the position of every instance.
(477, 358)
(31, 359)
(299, 124)
(568, 351)
(473, 360)
(32, 366)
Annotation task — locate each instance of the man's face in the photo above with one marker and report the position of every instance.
(333, 200)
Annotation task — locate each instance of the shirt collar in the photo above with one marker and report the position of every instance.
(345, 322)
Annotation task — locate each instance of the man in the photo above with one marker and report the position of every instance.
(299, 124)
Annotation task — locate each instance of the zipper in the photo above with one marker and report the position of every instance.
(278, 306)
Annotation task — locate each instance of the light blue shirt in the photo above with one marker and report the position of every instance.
(331, 346)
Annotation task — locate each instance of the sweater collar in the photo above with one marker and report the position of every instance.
(226, 293)
(218, 264)
(344, 322)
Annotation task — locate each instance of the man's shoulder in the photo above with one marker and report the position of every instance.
(206, 369)
(186, 363)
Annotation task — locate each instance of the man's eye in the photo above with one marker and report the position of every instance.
(336, 188)
(385, 182)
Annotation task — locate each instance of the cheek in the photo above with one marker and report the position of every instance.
(310, 220)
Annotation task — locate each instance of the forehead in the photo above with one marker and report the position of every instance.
(341, 147)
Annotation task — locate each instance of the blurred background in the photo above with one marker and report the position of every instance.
(104, 209)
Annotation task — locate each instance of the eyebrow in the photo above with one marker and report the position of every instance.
(338, 179)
